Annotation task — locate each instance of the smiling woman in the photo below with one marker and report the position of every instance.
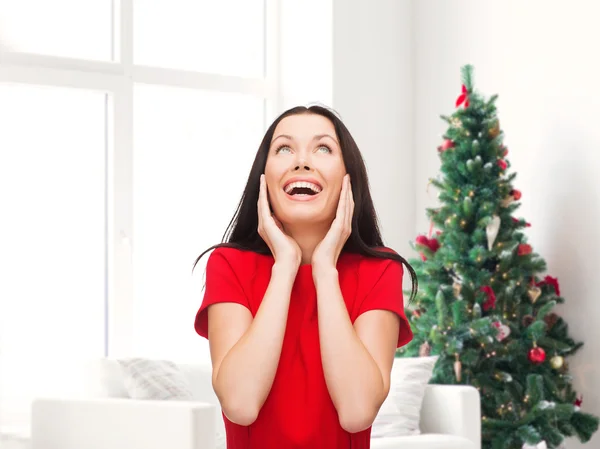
(304, 156)
(303, 306)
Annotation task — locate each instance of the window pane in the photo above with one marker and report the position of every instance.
(225, 36)
(67, 28)
(52, 235)
(192, 154)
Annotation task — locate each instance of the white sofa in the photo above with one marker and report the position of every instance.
(104, 417)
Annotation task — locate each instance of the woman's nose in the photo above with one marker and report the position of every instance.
(302, 166)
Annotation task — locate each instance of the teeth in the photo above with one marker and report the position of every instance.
(307, 185)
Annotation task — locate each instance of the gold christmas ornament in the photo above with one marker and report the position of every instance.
(557, 362)
(495, 129)
(425, 350)
(455, 122)
(458, 369)
(456, 288)
(534, 293)
(507, 201)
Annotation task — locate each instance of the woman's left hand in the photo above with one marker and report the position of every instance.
(327, 252)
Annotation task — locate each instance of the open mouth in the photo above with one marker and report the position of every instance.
(302, 188)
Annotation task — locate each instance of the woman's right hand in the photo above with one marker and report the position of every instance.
(284, 248)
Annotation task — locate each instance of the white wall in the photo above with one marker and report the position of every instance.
(306, 52)
(542, 59)
(372, 76)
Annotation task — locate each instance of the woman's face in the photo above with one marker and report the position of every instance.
(304, 170)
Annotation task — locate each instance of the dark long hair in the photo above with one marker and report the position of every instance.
(242, 232)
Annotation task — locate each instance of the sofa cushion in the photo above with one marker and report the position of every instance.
(154, 379)
(399, 414)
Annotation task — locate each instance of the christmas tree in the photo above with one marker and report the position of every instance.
(485, 304)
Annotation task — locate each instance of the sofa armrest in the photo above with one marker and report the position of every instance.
(121, 424)
(453, 410)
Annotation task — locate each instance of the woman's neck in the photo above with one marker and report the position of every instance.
(307, 237)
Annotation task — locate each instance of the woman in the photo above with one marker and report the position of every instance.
(303, 305)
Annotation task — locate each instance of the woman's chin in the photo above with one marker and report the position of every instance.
(303, 215)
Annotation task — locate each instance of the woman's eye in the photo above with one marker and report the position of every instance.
(280, 149)
(325, 149)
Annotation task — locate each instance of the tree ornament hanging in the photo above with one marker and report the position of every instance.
(431, 243)
(527, 320)
(503, 330)
(536, 354)
(549, 280)
(502, 164)
(507, 201)
(425, 349)
(577, 403)
(516, 194)
(455, 123)
(490, 302)
(446, 145)
(517, 221)
(551, 319)
(458, 368)
(494, 130)
(491, 230)
(557, 362)
(456, 289)
(524, 249)
(534, 293)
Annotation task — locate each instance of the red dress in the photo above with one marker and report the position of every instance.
(299, 413)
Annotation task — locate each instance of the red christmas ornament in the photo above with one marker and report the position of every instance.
(578, 402)
(490, 302)
(463, 97)
(516, 220)
(446, 145)
(537, 355)
(524, 249)
(502, 164)
(549, 280)
(516, 194)
(504, 151)
(430, 243)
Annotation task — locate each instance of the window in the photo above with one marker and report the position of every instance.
(53, 239)
(120, 120)
(68, 28)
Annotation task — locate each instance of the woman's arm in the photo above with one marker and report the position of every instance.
(357, 360)
(245, 352)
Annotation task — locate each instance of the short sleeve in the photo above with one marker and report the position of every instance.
(222, 285)
(387, 294)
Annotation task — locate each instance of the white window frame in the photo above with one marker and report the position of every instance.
(118, 79)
